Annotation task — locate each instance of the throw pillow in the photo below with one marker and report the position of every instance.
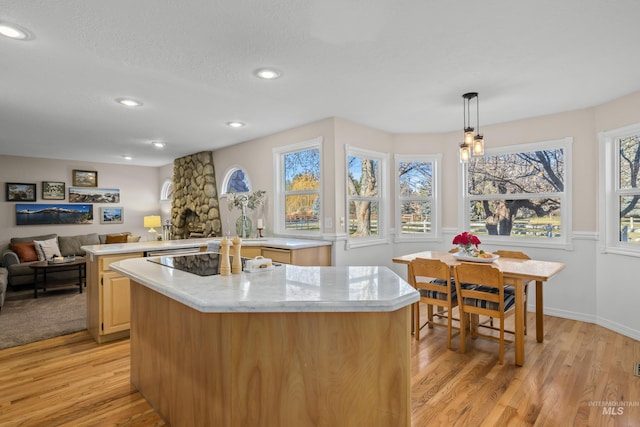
(132, 239)
(26, 251)
(116, 238)
(49, 247)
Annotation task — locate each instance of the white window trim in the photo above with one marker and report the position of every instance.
(382, 238)
(609, 200)
(436, 208)
(565, 241)
(278, 185)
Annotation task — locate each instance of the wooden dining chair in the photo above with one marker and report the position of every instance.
(480, 291)
(432, 279)
(517, 255)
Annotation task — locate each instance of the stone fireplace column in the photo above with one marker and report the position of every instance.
(194, 207)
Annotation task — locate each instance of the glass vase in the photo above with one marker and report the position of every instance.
(466, 250)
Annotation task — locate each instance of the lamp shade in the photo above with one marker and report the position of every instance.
(152, 221)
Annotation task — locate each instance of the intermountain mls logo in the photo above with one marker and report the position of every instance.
(613, 407)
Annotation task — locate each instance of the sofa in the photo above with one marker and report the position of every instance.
(22, 252)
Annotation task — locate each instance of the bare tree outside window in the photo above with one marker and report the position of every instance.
(517, 194)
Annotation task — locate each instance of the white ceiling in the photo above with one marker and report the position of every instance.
(396, 65)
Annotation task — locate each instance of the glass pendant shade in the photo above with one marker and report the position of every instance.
(478, 146)
(465, 153)
(468, 136)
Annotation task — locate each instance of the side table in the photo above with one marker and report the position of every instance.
(79, 264)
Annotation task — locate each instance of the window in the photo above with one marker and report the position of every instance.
(236, 180)
(166, 192)
(366, 195)
(520, 193)
(298, 188)
(417, 209)
(620, 164)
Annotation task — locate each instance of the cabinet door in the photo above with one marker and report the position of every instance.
(250, 251)
(116, 299)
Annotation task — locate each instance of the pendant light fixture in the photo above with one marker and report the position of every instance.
(471, 145)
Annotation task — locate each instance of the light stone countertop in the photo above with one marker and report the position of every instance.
(286, 288)
(164, 245)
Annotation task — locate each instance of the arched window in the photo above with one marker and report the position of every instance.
(166, 193)
(235, 181)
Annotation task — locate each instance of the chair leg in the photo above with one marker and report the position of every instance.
(430, 316)
(501, 354)
(475, 320)
(464, 321)
(526, 304)
(449, 330)
(416, 321)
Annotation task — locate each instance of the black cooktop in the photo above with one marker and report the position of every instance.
(204, 264)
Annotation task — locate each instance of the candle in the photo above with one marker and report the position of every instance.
(260, 223)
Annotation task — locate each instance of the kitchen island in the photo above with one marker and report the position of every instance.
(108, 311)
(292, 346)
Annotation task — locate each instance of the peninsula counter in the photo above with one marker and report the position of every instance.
(108, 311)
(291, 346)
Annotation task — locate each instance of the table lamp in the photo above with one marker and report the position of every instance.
(150, 222)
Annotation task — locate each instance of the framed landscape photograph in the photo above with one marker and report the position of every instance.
(53, 190)
(17, 192)
(94, 195)
(39, 214)
(111, 215)
(85, 178)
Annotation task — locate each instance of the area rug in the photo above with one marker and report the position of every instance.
(55, 312)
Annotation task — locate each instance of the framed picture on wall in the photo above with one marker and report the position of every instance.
(112, 215)
(16, 192)
(85, 178)
(54, 213)
(94, 195)
(53, 190)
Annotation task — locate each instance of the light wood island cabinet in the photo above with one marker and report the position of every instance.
(108, 298)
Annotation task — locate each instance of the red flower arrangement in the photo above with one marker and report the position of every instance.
(466, 239)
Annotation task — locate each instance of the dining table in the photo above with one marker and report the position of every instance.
(516, 273)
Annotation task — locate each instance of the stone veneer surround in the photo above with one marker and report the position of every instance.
(195, 207)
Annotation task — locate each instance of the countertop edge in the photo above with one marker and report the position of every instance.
(253, 306)
(163, 245)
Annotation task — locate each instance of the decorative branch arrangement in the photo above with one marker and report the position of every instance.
(246, 200)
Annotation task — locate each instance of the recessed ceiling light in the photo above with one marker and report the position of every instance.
(14, 31)
(235, 124)
(127, 157)
(158, 144)
(267, 73)
(129, 102)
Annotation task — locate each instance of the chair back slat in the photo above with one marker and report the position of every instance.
(512, 254)
(434, 268)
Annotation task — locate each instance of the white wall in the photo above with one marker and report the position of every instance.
(139, 194)
(593, 287)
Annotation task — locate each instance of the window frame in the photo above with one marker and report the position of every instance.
(382, 198)
(280, 192)
(610, 192)
(563, 242)
(436, 208)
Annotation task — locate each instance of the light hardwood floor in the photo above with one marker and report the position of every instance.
(72, 381)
